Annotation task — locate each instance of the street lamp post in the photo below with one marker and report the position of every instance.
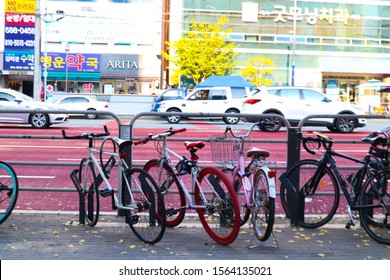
(67, 49)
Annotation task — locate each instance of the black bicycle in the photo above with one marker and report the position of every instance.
(319, 183)
(9, 189)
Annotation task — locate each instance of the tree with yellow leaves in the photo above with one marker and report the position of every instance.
(257, 71)
(202, 51)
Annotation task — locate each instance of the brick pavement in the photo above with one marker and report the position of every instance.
(37, 236)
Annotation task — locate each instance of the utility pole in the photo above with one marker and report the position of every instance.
(37, 53)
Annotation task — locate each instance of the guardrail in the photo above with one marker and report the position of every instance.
(126, 132)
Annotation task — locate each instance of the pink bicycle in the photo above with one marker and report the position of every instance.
(256, 193)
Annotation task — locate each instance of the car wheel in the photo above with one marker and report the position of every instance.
(173, 119)
(345, 125)
(39, 120)
(233, 119)
(90, 115)
(270, 124)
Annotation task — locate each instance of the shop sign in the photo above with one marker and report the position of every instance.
(312, 16)
(130, 65)
(20, 6)
(72, 62)
(19, 60)
(19, 37)
(19, 19)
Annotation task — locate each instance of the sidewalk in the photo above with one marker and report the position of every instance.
(46, 236)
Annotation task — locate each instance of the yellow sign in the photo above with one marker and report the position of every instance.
(20, 6)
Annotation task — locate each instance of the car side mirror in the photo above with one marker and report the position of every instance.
(327, 100)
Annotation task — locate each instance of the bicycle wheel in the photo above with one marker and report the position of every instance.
(263, 207)
(9, 189)
(87, 180)
(221, 215)
(374, 199)
(319, 204)
(174, 199)
(147, 220)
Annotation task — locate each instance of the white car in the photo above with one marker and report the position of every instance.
(82, 103)
(207, 100)
(14, 100)
(295, 103)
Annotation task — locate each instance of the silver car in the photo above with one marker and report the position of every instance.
(14, 100)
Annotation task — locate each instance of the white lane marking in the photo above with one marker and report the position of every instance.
(32, 177)
(43, 147)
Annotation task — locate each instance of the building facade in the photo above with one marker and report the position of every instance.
(334, 45)
(88, 46)
(114, 46)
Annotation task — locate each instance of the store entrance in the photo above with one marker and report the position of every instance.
(347, 91)
(342, 87)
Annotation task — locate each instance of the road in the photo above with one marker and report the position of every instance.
(62, 156)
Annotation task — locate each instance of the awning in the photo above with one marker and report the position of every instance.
(73, 76)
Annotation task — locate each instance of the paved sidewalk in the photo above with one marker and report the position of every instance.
(41, 236)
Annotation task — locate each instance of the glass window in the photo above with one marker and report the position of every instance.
(238, 93)
(310, 95)
(6, 97)
(217, 94)
(290, 94)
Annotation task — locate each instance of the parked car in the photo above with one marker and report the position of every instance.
(207, 100)
(169, 94)
(82, 103)
(14, 100)
(295, 103)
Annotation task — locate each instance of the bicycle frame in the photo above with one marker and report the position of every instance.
(247, 180)
(122, 167)
(165, 156)
(328, 159)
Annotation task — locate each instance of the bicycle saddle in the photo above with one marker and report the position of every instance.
(199, 144)
(257, 152)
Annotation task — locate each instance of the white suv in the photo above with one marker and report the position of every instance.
(207, 100)
(295, 103)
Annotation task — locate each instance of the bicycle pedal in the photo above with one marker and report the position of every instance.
(105, 192)
(349, 224)
(133, 220)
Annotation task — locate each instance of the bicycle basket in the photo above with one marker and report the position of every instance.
(226, 150)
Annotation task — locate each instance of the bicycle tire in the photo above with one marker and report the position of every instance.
(263, 211)
(174, 198)
(87, 178)
(375, 219)
(147, 221)
(9, 190)
(221, 217)
(318, 209)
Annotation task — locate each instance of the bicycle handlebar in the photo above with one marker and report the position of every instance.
(86, 135)
(229, 129)
(375, 139)
(167, 133)
(321, 140)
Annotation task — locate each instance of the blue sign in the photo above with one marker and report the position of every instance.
(19, 60)
(19, 37)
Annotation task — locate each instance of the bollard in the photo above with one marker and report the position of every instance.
(79, 188)
(292, 186)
